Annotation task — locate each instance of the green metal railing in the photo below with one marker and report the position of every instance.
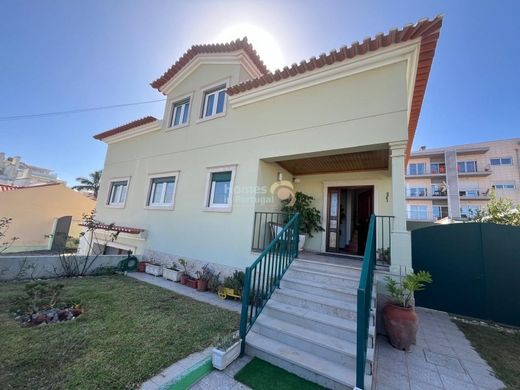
(364, 302)
(264, 275)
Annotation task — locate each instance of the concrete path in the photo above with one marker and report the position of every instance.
(224, 380)
(206, 297)
(442, 359)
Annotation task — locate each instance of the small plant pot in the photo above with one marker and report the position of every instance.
(155, 270)
(141, 267)
(191, 283)
(222, 359)
(171, 274)
(401, 324)
(202, 285)
(184, 279)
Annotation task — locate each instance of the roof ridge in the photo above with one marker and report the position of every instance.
(238, 44)
(409, 31)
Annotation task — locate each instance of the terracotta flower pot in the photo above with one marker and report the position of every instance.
(202, 285)
(184, 279)
(401, 324)
(191, 283)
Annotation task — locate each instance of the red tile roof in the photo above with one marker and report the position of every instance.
(6, 187)
(239, 44)
(427, 30)
(128, 126)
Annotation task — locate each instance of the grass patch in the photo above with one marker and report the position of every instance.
(260, 375)
(500, 348)
(128, 332)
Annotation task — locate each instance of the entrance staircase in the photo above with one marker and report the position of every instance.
(308, 326)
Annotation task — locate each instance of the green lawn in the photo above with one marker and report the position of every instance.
(129, 331)
(260, 375)
(499, 348)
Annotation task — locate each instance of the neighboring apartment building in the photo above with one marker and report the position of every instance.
(456, 181)
(15, 172)
(337, 127)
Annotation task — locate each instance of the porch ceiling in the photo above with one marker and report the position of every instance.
(358, 161)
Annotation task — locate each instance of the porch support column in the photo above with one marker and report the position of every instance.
(401, 250)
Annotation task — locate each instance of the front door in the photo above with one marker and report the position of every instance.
(348, 216)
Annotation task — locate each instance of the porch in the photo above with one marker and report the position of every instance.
(347, 187)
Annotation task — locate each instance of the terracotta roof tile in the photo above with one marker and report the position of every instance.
(128, 126)
(427, 30)
(239, 44)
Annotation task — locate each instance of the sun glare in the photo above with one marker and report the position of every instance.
(263, 42)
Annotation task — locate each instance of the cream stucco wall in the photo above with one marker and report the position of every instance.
(34, 211)
(367, 110)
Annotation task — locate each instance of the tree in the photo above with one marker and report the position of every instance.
(90, 184)
(499, 210)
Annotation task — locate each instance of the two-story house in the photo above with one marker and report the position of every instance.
(338, 127)
(204, 181)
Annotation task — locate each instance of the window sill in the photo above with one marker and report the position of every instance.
(177, 127)
(218, 209)
(170, 208)
(208, 118)
(115, 206)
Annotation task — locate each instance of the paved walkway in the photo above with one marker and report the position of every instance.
(223, 380)
(442, 359)
(206, 297)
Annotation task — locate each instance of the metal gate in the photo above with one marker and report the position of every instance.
(475, 269)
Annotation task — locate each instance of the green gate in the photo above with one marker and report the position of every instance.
(475, 269)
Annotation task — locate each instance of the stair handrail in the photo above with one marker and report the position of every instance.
(364, 302)
(263, 276)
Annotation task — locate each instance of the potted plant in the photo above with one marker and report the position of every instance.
(310, 217)
(399, 315)
(172, 272)
(154, 268)
(203, 278)
(184, 273)
(226, 350)
(383, 254)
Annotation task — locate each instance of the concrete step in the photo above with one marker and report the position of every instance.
(306, 365)
(348, 294)
(314, 342)
(329, 325)
(325, 305)
(335, 269)
(342, 281)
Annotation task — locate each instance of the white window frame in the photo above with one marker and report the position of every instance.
(111, 182)
(418, 213)
(465, 162)
(417, 174)
(208, 90)
(171, 111)
(474, 209)
(500, 163)
(161, 206)
(208, 205)
(504, 183)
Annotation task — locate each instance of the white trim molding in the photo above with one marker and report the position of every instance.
(109, 194)
(135, 132)
(148, 193)
(206, 205)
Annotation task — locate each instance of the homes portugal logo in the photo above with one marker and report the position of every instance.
(284, 190)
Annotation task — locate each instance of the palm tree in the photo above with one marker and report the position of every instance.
(90, 184)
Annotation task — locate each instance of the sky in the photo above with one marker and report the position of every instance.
(64, 55)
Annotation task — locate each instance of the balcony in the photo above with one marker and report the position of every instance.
(421, 171)
(473, 194)
(476, 173)
(435, 192)
(424, 213)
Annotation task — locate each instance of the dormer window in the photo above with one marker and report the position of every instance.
(214, 101)
(180, 113)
